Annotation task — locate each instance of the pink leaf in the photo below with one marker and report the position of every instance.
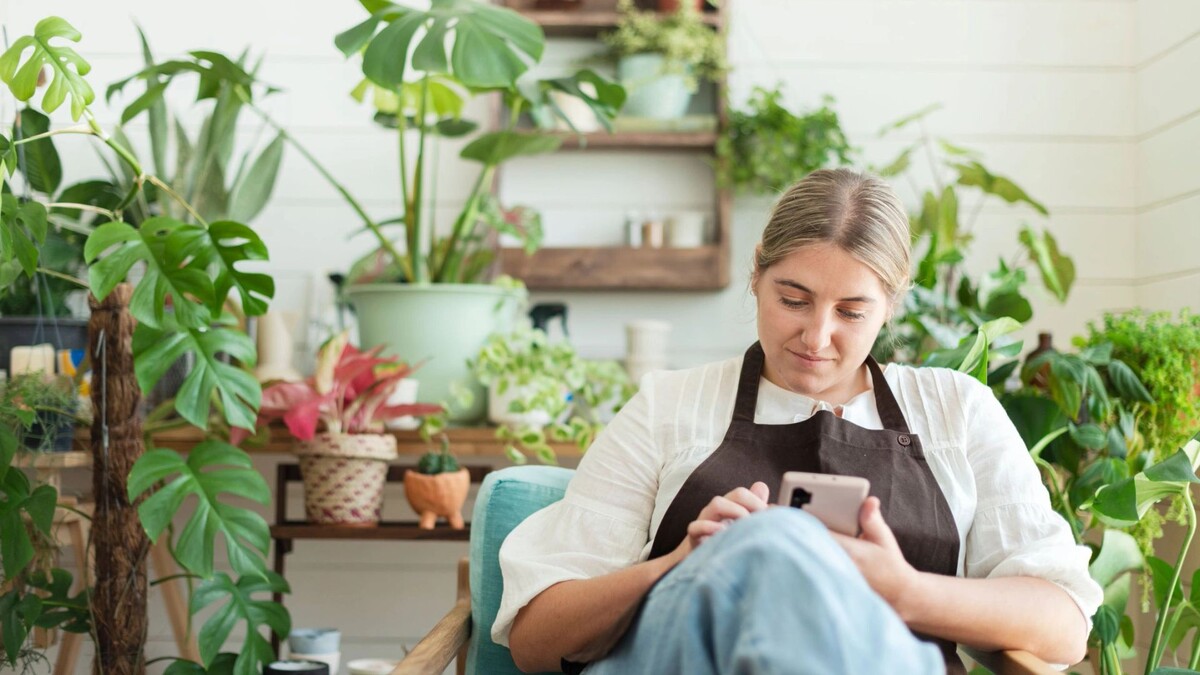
(302, 419)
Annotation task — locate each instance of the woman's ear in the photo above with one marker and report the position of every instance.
(754, 272)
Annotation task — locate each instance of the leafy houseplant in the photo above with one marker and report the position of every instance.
(190, 268)
(53, 402)
(945, 304)
(1164, 352)
(767, 147)
(539, 390)
(344, 466)
(1077, 413)
(422, 66)
(438, 487)
(661, 59)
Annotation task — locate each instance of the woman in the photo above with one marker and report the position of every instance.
(958, 544)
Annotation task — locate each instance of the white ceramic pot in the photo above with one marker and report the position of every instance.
(499, 413)
(404, 393)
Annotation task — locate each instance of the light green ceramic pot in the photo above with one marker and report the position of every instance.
(443, 325)
(651, 92)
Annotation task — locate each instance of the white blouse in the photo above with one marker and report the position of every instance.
(637, 464)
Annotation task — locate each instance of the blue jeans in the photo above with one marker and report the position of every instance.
(773, 593)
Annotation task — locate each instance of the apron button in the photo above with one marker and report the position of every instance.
(904, 440)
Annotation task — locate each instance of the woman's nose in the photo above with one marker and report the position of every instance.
(815, 334)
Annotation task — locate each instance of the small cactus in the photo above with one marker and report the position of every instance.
(432, 463)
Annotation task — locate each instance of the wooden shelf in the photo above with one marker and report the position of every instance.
(464, 442)
(644, 140)
(52, 460)
(618, 267)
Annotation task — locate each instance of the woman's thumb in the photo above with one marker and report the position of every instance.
(874, 529)
(761, 491)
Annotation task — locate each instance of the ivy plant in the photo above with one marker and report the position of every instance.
(766, 147)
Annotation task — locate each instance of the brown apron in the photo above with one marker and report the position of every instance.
(889, 458)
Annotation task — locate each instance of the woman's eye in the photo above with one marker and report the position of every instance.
(794, 304)
(853, 316)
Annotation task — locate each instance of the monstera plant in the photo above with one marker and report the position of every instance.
(190, 268)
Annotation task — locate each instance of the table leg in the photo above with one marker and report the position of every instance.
(282, 548)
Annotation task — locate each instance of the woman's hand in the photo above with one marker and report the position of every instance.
(719, 512)
(878, 556)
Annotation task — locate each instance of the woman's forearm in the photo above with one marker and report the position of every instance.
(581, 620)
(1002, 613)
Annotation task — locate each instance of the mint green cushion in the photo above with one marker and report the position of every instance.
(505, 498)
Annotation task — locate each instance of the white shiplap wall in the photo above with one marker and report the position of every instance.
(1168, 170)
(1086, 103)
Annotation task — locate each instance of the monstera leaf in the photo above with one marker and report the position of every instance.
(241, 607)
(155, 351)
(22, 78)
(218, 249)
(212, 472)
(166, 275)
(491, 45)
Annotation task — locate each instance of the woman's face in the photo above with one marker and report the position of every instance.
(819, 312)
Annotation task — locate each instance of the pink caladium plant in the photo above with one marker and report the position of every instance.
(347, 394)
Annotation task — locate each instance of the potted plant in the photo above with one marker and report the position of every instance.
(176, 312)
(438, 487)
(541, 390)
(421, 67)
(344, 464)
(767, 147)
(53, 402)
(661, 59)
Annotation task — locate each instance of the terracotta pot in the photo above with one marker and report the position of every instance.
(436, 495)
(344, 476)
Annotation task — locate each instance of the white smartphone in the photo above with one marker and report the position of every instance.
(834, 500)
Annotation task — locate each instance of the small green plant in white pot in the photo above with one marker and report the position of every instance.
(662, 58)
(541, 390)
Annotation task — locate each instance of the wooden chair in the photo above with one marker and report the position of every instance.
(505, 498)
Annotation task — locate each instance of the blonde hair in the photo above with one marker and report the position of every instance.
(857, 212)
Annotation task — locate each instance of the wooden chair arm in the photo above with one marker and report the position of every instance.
(1011, 662)
(448, 638)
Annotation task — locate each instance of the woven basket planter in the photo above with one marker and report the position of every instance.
(436, 495)
(344, 476)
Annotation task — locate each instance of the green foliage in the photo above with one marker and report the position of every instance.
(241, 607)
(206, 173)
(946, 304)
(22, 79)
(767, 147)
(200, 476)
(191, 267)
(419, 88)
(688, 46)
(1161, 352)
(562, 396)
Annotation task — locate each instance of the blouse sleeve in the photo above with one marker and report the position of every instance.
(602, 523)
(1015, 531)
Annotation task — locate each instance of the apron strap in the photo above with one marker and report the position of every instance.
(890, 414)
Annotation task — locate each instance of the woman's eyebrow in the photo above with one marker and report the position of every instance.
(801, 287)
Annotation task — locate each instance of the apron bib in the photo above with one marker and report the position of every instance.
(891, 459)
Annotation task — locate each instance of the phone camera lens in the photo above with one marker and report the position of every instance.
(800, 497)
